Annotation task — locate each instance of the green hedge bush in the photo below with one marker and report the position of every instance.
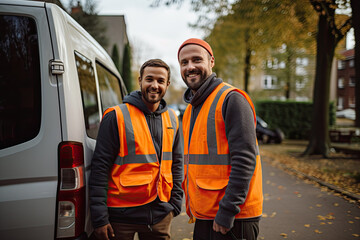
(293, 118)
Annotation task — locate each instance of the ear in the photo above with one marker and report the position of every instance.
(212, 61)
(139, 79)
(168, 83)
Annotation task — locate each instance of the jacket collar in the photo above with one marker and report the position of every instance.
(203, 92)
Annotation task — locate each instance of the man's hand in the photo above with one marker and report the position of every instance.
(219, 228)
(102, 233)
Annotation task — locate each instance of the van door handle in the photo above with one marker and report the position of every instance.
(56, 67)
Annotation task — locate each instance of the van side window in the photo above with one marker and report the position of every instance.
(110, 92)
(88, 94)
(20, 81)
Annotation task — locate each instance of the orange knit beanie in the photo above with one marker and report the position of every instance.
(199, 42)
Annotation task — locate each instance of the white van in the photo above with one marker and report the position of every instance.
(55, 83)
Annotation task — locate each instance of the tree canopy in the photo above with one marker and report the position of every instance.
(266, 23)
(87, 17)
(246, 35)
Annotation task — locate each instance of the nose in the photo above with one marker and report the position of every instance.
(190, 65)
(154, 85)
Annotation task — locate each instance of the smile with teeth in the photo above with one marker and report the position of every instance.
(153, 92)
(192, 75)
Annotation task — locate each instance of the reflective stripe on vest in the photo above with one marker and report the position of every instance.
(137, 177)
(207, 163)
(132, 157)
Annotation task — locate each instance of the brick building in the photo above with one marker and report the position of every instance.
(346, 80)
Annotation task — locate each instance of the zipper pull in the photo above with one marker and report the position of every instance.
(149, 228)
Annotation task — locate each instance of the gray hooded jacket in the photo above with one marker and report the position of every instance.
(240, 131)
(107, 148)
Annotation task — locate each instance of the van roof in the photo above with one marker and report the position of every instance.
(23, 3)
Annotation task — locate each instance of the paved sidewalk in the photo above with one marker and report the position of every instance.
(296, 209)
(340, 172)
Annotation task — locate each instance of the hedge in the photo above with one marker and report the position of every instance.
(293, 118)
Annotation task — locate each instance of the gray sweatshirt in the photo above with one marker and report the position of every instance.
(240, 131)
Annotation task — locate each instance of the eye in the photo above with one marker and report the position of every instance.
(183, 63)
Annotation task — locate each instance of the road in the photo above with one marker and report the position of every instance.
(295, 209)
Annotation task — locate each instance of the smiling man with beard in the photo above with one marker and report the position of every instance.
(223, 182)
(137, 167)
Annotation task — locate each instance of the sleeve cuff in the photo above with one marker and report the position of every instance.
(225, 218)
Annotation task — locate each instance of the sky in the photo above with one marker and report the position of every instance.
(154, 32)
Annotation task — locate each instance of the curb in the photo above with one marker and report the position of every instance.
(348, 194)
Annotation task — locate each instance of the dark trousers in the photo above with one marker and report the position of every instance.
(159, 231)
(242, 230)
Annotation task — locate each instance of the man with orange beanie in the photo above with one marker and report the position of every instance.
(223, 179)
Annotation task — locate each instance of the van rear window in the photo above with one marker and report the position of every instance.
(20, 86)
(88, 94)
(110, 91)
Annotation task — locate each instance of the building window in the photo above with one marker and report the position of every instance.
(341, 64)
(301, 83)
(269, 64)
(352, 102)
(341, 82)
(352, 63)
(340, 103)
(269, 82)
(352, 82)
(282, 65)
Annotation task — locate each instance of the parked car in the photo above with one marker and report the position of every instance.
(55, 83)
(179, 109)
(266, 135)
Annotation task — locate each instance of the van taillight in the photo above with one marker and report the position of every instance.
(71, 193)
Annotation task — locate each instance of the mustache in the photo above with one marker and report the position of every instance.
(195, 71)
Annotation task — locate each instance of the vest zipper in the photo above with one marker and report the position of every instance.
(188, 163)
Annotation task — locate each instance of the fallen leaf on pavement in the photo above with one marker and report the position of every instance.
(307, 225)
(283, 234)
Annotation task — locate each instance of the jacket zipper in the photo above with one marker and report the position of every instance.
(152, 117)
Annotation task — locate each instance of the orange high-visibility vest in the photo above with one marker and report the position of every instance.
(207, 161)
(137, 177)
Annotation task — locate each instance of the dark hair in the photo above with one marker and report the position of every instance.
(155, 63)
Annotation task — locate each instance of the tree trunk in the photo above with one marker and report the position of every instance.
(326, 43)
(247, 66)
(355, 6)
(289, 71)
